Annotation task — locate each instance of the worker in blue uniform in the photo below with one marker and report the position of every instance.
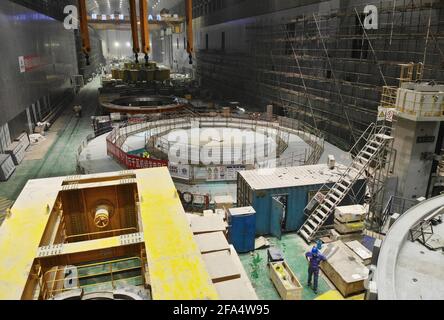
(314, 258)
(319, 244)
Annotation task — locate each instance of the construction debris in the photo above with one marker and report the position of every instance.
(261, 243)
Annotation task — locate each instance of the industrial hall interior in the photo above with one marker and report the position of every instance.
(232, 150)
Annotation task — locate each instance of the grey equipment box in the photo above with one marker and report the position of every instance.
(274, 255)
(7, 166)
(24, 139)
(17, 152)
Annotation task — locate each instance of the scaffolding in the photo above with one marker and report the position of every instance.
(326, 69)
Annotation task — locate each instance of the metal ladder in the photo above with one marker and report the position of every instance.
(374, 145)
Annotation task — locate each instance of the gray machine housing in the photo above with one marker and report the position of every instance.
(7, 166)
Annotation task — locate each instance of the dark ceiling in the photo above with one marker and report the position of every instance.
(122, 6)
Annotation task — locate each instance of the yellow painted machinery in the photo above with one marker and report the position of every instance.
(72, 237)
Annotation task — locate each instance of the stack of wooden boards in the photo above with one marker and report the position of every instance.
(345, 267)
(349, 220)
(222, 262)
(223, 202)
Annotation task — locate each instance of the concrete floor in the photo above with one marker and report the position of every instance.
(293, 248)
(410, 270)
(57, 157)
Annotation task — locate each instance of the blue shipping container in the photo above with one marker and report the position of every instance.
(289, 190)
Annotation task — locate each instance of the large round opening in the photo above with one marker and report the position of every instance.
(144, 101)
(142, 104)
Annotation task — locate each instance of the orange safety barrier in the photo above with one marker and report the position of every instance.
(128, 160)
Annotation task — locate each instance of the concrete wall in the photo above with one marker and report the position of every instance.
(44, 42)
(413, 163)
(116, 43)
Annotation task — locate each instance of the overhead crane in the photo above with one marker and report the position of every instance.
(144, 26)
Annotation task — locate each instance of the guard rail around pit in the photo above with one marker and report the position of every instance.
(117, 138)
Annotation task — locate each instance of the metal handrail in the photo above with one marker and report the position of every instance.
(53, 282)
(99, 233)
(163, 145)
(388, 209)
(367, 132)
(309, 135)
(371, 131)
(356, 148)
(80, 149)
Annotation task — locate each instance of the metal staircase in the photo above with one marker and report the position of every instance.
(374, 141)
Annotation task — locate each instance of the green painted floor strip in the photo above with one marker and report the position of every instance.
(60, 160)
(293, 248)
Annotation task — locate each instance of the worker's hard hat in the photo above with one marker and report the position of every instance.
(314, 250)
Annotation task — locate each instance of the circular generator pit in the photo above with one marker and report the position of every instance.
(212, 149)
(142, 104)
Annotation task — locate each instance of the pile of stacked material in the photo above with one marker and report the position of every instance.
(350, 219)
(139, 72)
(17, 148)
